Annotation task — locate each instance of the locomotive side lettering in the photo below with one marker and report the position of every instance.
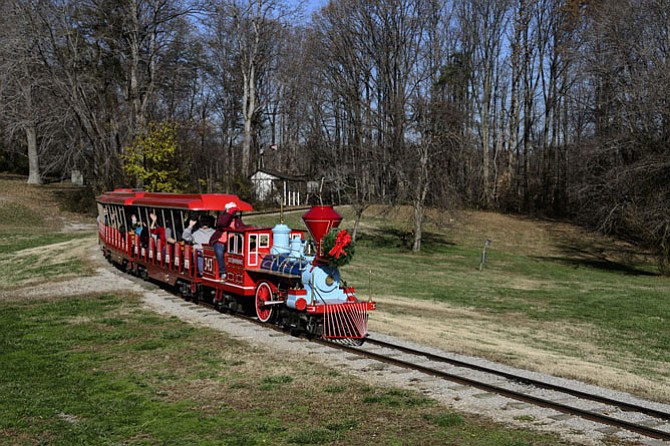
(208, 265)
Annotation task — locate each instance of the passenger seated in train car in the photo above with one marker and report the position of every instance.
(140, 229)
(219, 239)
(199, 236)
(156, 230)
(135, 224)
(177, 230)
(102, 215)
(116, 220)
(123, 226)
(169, 238)
(130, 224)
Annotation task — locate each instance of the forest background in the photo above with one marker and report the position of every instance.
(553, 107)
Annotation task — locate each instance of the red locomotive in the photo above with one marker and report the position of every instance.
(268, 270)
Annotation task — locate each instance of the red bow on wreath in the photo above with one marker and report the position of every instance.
(341, 241)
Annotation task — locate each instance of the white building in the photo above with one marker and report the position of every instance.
(285, 189)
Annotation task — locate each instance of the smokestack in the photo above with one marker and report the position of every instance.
(319, 220)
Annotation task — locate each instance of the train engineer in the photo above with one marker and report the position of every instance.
(225, 221)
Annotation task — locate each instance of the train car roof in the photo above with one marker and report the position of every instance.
(120, 196)
(193, 202)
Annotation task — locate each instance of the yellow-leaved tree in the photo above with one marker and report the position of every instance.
(151, 160)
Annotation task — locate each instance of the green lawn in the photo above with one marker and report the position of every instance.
(100, 370)
(628, 307)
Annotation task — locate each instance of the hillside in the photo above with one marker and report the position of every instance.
(551, 297)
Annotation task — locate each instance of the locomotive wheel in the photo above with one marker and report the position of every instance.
(264, 294)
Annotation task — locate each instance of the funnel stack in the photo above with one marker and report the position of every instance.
(319, 220)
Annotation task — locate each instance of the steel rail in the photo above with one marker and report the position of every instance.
(631, 407)
(646, 431)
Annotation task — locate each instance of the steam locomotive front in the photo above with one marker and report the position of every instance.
(328, 307)
(321, 281)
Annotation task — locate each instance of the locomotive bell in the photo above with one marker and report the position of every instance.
(319, 220)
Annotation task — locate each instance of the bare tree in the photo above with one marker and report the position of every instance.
(26, 93)
(251, 26)
(345, 66)
(482, 25)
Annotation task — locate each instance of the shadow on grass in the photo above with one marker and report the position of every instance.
(602, 264)
(596, 257)
(393, 238)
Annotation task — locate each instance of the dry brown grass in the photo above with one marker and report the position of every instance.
(517, 341)
(517, 234)
(42, 201)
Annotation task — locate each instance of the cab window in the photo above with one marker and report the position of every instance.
(235, 244)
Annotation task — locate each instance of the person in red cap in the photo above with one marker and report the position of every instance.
(220, 236)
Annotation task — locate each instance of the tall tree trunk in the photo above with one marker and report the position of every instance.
(486, 168)
(418, 226)
(34, 175)
(420, 193)
(248, 109)
(519, 61)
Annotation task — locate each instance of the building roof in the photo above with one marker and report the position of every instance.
(277, 175)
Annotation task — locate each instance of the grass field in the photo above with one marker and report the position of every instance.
(100, 370)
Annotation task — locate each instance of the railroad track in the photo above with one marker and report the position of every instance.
(635, 417)
(645, 420)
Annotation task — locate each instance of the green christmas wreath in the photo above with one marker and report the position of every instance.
(337, 247)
